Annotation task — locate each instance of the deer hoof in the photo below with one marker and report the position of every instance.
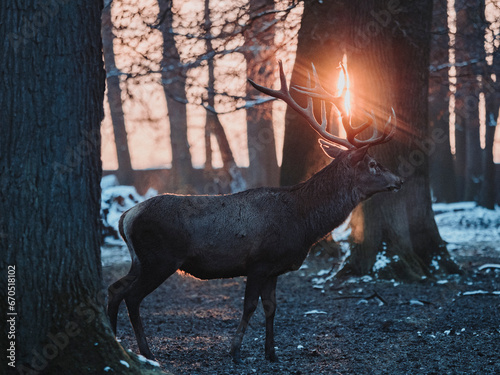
(235, 354)
(148, 355)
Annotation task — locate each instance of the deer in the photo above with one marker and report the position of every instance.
(259, 233)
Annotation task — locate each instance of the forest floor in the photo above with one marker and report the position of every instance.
(353, 326)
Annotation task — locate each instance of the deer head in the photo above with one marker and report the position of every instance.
(370, 176)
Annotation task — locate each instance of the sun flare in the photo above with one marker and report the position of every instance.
(345, 82)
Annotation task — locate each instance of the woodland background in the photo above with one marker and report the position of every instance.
(178, 97)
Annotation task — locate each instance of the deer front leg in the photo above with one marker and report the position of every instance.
(252, 292)
(268, 295)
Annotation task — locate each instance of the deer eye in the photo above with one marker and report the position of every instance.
(372, 164)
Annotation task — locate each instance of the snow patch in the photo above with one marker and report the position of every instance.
(465, 222)
(319, 282)
(343, 231)
(488, 265)
(311, 312)
(480, 292)
(115, 200)
(382, 260)
(145, 360)
(435, 263)
(124, 363)
(366, 278)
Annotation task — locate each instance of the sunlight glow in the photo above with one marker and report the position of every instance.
(345, 82)
(342, 82)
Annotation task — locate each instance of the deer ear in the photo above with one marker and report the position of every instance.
(330, 149)
(357, 155)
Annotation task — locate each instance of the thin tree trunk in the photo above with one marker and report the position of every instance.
(487, 193)
(491, 91)
(460, 161)
(52, 102)
(208, 148)
(259, 53)
(469, 52)
(235, 181)
(175, 94)
(442, 173)
(124, 173)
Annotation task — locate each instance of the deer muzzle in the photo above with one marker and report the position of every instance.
(396, 185)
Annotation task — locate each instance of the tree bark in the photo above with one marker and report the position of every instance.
(322, 41)
(175, 94)
(491, 89)
(442, 173)
(389, 62)
(259, 54)
(52, 102)
(124, 173)
(470, 59)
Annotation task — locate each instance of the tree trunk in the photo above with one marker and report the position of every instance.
(259, 53)
(491, 91)
(52, 102)
(460, 159)
(470, 59)
(322, 41)
(175, 94)
(442, 173)
(487, 193)
(124, 173)
(389, 67)
(233, 181)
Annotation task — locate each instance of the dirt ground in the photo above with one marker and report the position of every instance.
(354, 326)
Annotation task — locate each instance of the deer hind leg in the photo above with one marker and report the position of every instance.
(148, 280)
(117, 292)
(252, 292)
(268, 295)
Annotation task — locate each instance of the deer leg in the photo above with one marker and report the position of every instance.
(268, 295)
(147, 281)
(252, 292)
(117, 292)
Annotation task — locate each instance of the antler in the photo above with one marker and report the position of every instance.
(284, 94)
(320, 93)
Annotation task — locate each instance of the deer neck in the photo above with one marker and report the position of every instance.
(327, 199)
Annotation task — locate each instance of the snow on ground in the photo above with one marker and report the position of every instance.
(115, 200)
(464, 222)
(459, 224)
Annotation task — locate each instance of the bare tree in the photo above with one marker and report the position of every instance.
(124, 172)
(233, 180)
(442, 172)
(470, 60)
(491, 89)
(173, 83)
(259, 53)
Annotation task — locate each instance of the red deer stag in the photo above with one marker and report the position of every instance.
(259, 233)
